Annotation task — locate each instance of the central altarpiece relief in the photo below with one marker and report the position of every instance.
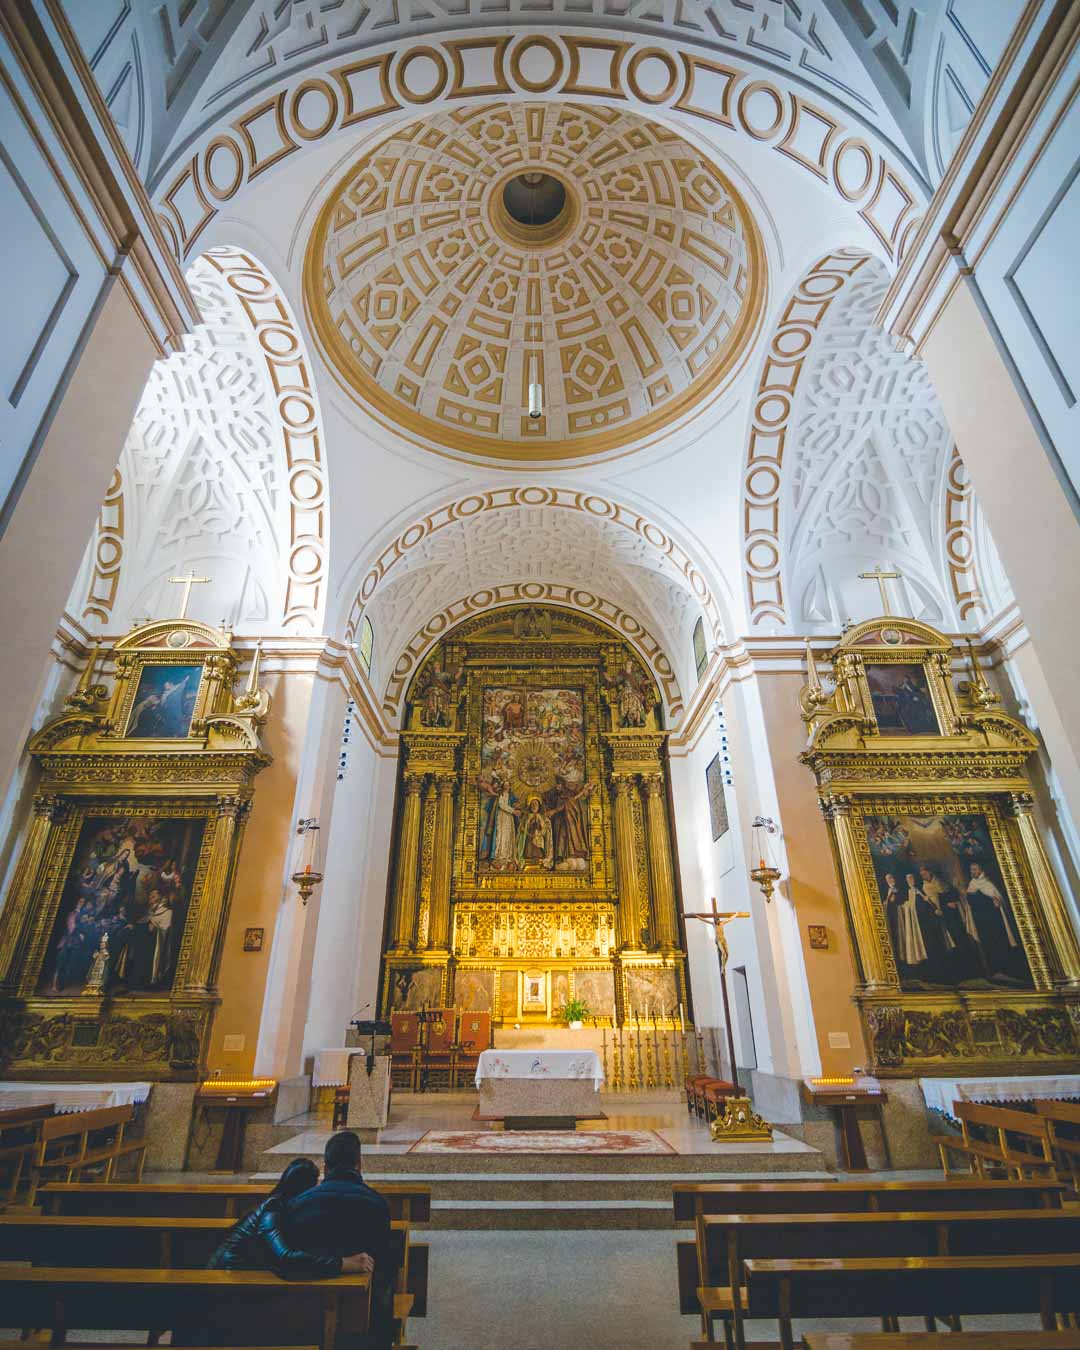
(533, 849)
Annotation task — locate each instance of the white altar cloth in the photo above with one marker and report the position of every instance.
(940, 1093)
(331, 1067)
(583, 1064)
(72, 1096)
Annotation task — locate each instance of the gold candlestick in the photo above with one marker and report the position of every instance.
(702, 1066)
(603, 1032)
(640, 1061)
(632, 1076)
(685, 1055)
(669, 1082)
(616, 1059)
(650, 1080)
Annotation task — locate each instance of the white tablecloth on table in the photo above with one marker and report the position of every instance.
(331, 1067)
(540, 1064)
(940, 1093)
(72, 1096)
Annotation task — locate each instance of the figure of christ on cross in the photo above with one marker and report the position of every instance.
(187, 582)
(719, 920)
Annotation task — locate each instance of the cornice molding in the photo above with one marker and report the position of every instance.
(1044, 40)
(93, 148)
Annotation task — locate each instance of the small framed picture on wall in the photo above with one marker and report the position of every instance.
(714, 784)
(253, 939)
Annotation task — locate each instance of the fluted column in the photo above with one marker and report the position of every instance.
(625, 870)
(15, 918)
(198, 977)
(870, 933)
(661, 872)
(408, 865)
(441, 860)
(1047, 897)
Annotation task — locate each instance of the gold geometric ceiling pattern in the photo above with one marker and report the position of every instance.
(629, 309)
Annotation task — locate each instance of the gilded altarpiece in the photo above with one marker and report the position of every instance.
(534, 856)
(967, 961)
(110, 937)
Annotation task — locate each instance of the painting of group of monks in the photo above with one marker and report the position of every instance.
(946, 904)
(123, 907)
(534, 800)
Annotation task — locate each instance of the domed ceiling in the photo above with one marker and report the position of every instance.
(481, 250)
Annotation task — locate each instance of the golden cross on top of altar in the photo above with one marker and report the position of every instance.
(881, 578)
(187, 582)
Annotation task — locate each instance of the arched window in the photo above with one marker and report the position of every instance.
(701, 655)
(367, 642)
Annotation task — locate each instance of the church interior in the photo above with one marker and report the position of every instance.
(537, 551)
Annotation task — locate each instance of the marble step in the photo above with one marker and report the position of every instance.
(550, 1214)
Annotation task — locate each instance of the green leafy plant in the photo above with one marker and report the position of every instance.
(575, 1010)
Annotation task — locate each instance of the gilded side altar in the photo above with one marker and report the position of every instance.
(534, 857)
(967, 961)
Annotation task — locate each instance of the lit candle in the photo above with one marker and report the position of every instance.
(682, 1021)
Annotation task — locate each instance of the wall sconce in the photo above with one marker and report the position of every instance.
(307, 875)
(766, 874)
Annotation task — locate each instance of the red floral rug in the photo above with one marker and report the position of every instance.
(541, 1141)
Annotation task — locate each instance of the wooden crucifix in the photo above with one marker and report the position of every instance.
(719, 920)
(881, 578)
(187, 582)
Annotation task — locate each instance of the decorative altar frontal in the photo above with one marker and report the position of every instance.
(549, 1085)
(541, 1064)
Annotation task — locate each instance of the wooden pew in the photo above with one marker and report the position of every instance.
(250, 1304)
(64, 1145)
(938, 1286)
(407, 1200)
(163, 1243)
(20, 1130)
(1020, 1142)
(796, 1197)
(1064, 1145)
(725, 1242)
(934, 1340)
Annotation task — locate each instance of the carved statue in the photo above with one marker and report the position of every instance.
(99, 968)
(436, 694)
(632, 695)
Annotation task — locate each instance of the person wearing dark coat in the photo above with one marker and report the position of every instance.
(344, 1216)
(260, 1241)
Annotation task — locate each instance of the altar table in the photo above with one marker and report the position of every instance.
(940, 1093)
(72, 1096)
(537, 1088)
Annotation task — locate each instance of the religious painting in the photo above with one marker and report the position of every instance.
(253, 939)
(818, 936)
(560, 990)
(651, 989)
(474, 990)
(714, 783)
(902, 702)
(534, 798)
(534, 991)
(946, 905)
(123, 906)
(596, 989)
(508, 994)
(164, 701)
(414, 989)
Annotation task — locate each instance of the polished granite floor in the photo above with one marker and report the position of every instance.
(412, 1115)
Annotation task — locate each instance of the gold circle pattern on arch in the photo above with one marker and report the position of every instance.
(439, 325)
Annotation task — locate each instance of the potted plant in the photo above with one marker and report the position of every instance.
(574, 1013)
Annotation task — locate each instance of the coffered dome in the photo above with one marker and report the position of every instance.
(480, 250)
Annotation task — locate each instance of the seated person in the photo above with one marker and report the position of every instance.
(344, 1216)
(258, 1241)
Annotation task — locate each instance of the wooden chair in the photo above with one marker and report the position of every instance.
(473, 1038)
(84, 1140)
(436, 1050)
(999, 1139)
(938, 1286)
(1063, 1123)
(251, 1307)
(404, 1049)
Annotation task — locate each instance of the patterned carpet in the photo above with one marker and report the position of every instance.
(542, 1141)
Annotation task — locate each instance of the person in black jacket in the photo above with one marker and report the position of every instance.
(260, 1241)
(344, 1216)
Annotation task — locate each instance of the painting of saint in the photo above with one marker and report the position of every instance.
(950, 921)
(126, 895)
(714, 784)
(414, 989)
(902, 702)
(164, 701)
(534, 798)
(474, 990)
(596, 988)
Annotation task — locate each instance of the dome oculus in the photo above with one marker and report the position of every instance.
(478, 250)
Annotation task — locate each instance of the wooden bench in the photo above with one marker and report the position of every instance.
(20, 1130)
(932, 1340)
(251, 1307)
(164, 1243)
(937, 1286)
(65, 1144)
(797, 1197)
(1019, 1142)
(406, 1200)
(725, 1242)
(1064, 1145)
